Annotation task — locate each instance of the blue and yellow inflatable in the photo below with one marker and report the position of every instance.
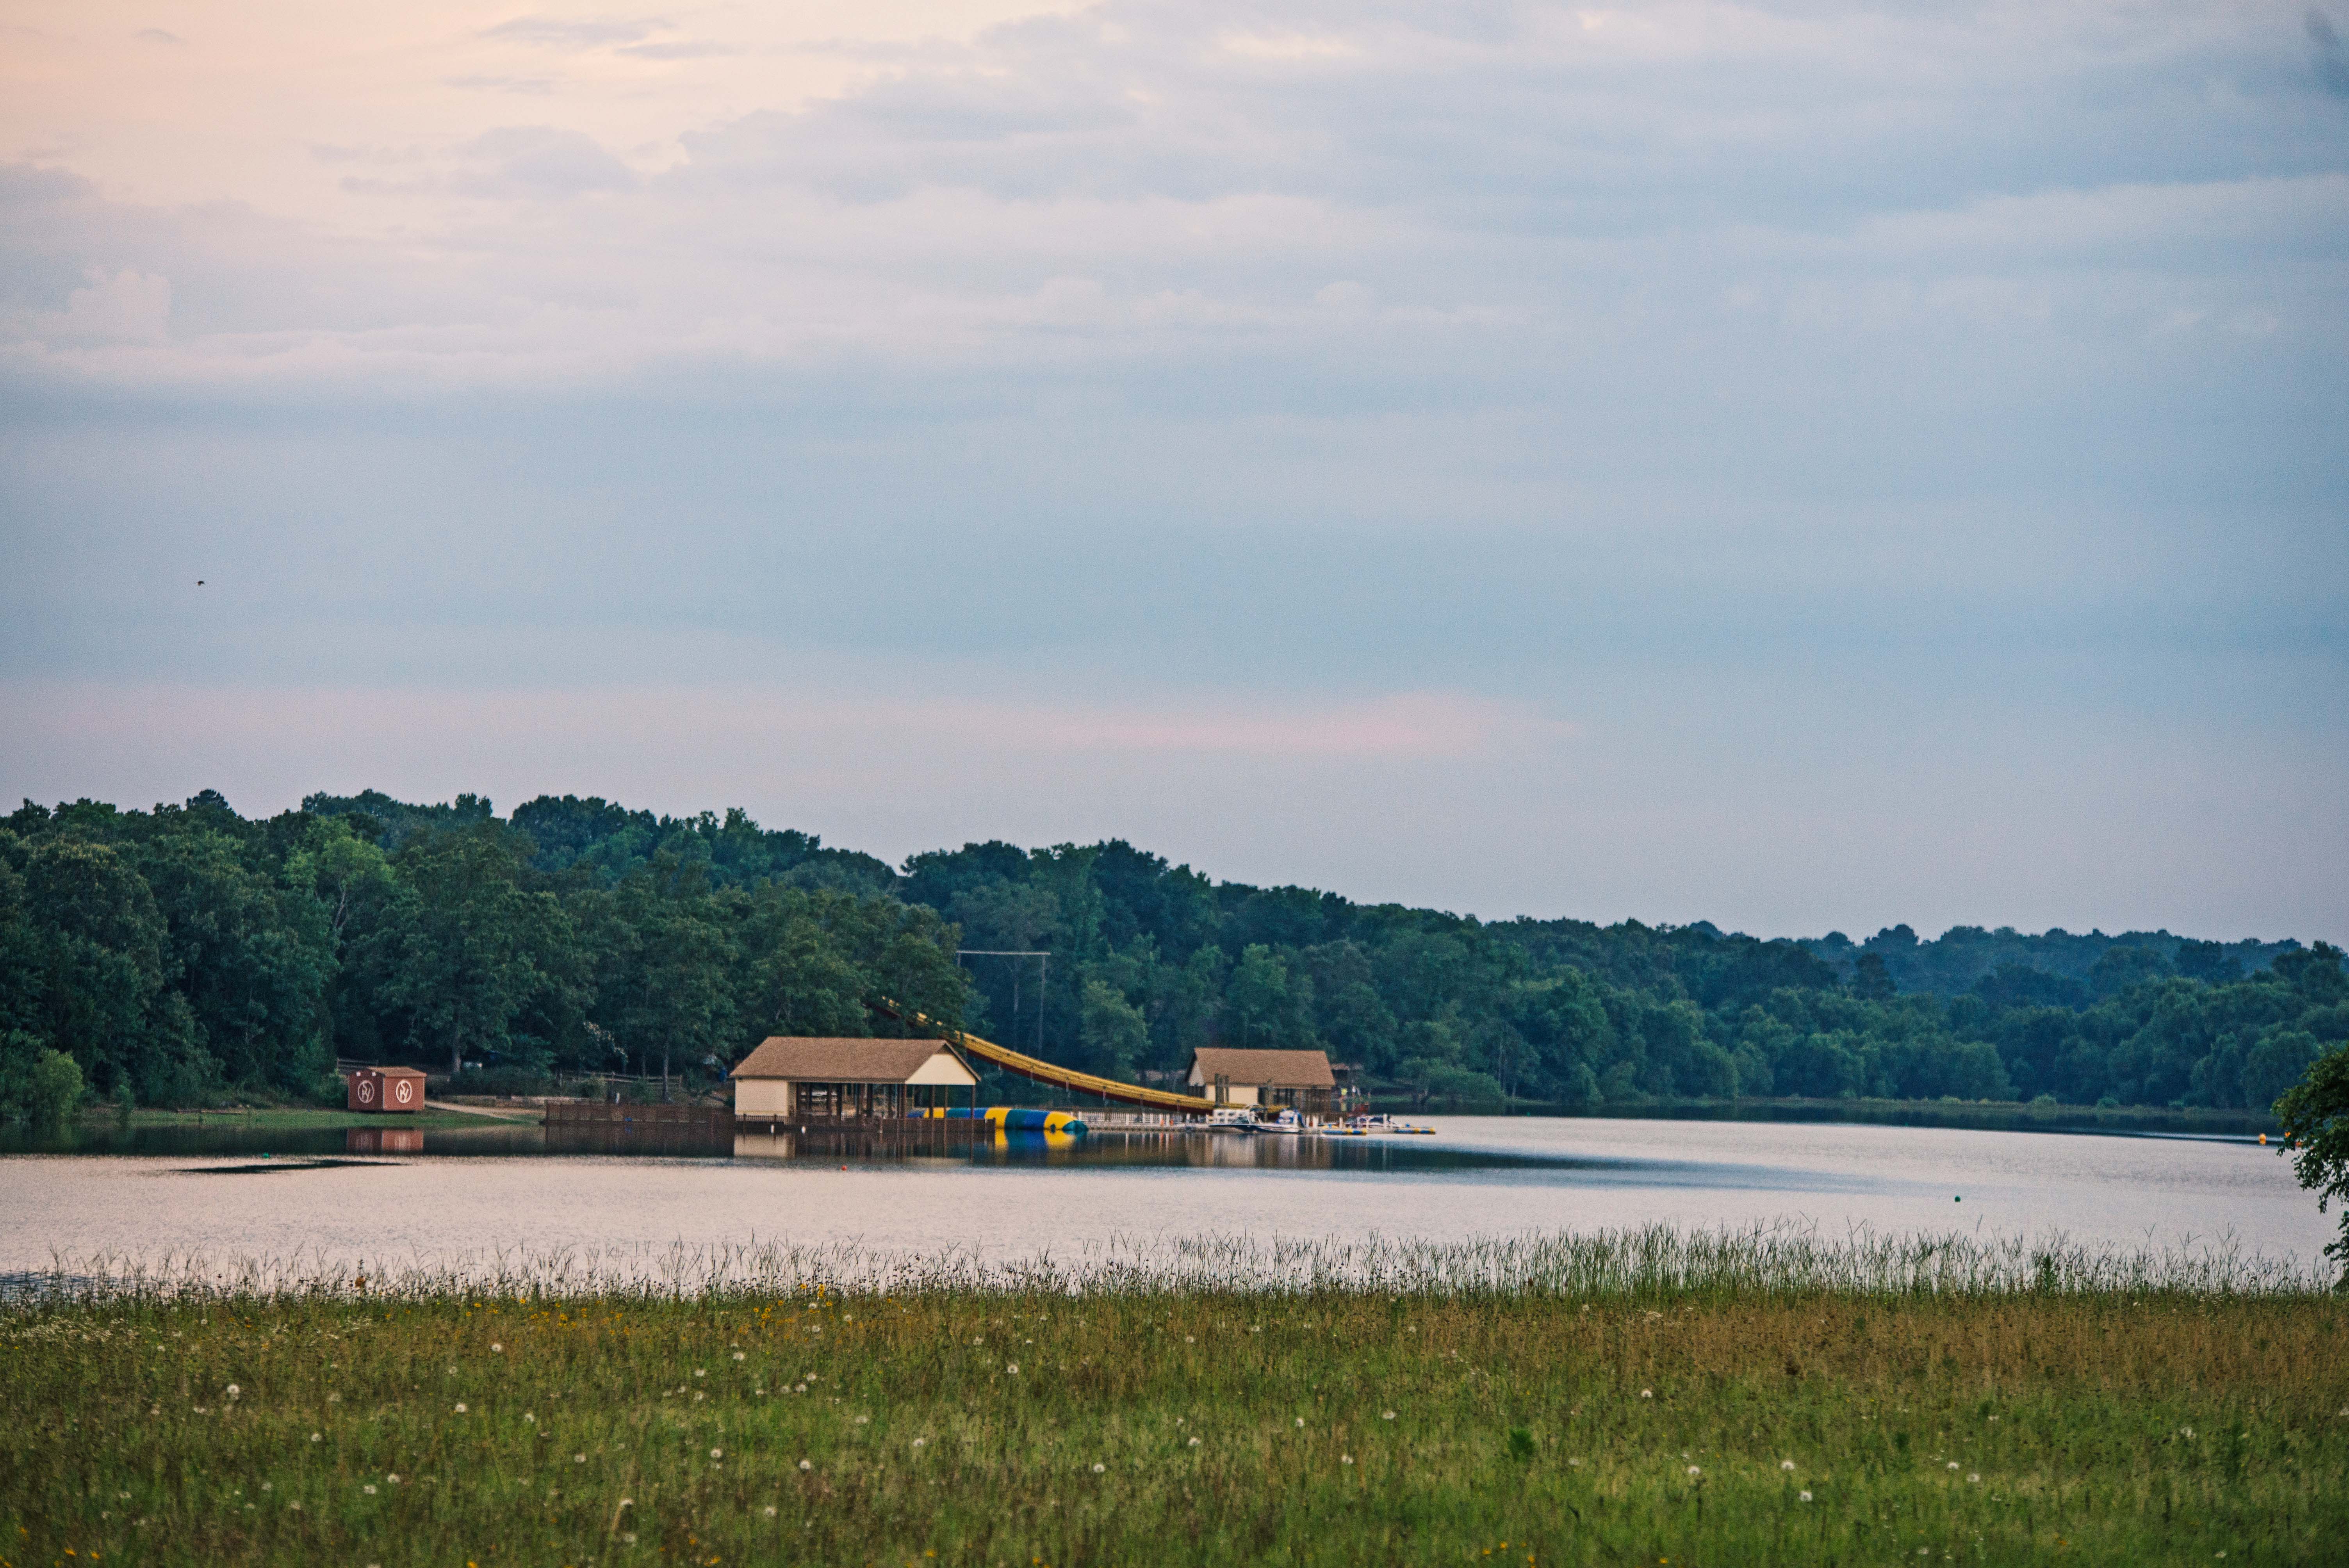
(1015, 1119)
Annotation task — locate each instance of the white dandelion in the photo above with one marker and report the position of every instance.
(1194, 1442)
(1646, 1393)
(233, 1391)
(579, 1459)
(1695, 1469)
(1101, 1469)
(1801, 1497)
(1345, 1459)
(805, 1465)
(1012, 1368)
(1386, 1414)
(1786, 1464)
(460, 1408)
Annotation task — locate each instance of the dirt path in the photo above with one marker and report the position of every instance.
(478, 1110)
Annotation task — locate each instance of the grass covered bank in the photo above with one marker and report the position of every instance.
(1418, 1417)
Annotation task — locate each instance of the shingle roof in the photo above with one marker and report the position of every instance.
(836, 1059)
(1275, 1069)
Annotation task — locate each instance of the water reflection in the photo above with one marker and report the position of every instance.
(1026, 1195)
(384, 1141)
(234, 1136)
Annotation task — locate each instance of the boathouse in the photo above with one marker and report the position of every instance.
(1299, 1079)
(826, 1077)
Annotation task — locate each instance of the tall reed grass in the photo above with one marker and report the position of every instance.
(1648, 1262)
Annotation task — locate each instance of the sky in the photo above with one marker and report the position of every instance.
(1802, 465)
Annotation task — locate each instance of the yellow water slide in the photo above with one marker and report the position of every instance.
(1042, 1071)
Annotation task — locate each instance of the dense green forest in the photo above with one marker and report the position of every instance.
(176, 955)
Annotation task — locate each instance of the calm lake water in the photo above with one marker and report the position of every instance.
(463, 1198)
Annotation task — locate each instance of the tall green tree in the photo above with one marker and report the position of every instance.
(2315, 1116)
(467, 946)
(254, 957)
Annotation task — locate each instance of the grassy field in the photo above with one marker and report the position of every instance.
(1682, 1415)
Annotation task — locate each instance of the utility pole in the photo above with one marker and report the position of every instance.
(1043, 979)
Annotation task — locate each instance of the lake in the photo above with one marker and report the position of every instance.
(463, 1197)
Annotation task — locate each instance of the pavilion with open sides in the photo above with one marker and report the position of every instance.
(827, 1079)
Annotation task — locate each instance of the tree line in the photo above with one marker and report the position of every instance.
(179, 955)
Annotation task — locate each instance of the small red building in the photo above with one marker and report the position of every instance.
(385, 1088)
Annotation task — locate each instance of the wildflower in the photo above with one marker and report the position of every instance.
(528, 1416)
(805, 1466)
(1300, 1420)
(1786, 1464)
(1012, 1368)
(579, 1459)
(1801, 1497)
(368, 1490)
(1695, 1469)
(314, 1437)
(699, 1373)
(1194, 1442)
(460, 1408)
(738, 1356)
(717, 1453)
(497, 1349)
(1953, 1464)
(1386, 1414)
(1098, 1468)
(1345, 1459)
(1646, 1393)
(919, 1441)
(234, 1391)
(392, 1479)
(1974, 1479)
(770, 1510)
(1188, 1340)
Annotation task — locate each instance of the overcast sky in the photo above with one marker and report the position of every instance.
(1799, 465)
